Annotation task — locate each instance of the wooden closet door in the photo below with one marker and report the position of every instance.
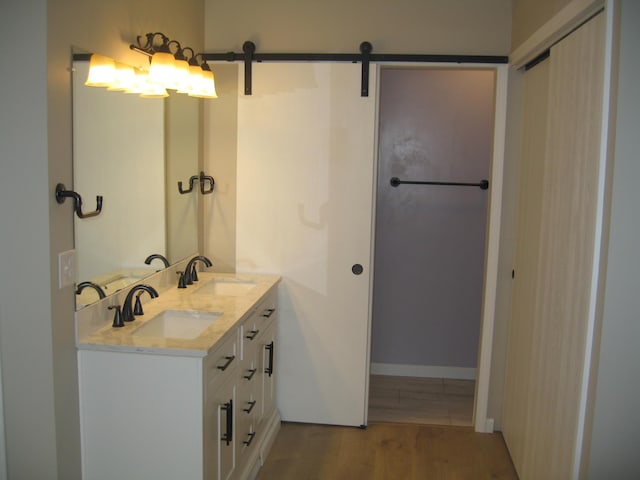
(554, 255)
(521, 347)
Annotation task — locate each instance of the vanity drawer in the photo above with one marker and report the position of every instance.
(223, 361)
(252, 329)
(266, 311)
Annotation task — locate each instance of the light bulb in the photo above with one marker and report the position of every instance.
(162, 69)
(101, 71)
(123, 78)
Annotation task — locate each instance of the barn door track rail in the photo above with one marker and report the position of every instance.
(365, 57)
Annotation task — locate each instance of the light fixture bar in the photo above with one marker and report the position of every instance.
(135, 48)
(173, 69)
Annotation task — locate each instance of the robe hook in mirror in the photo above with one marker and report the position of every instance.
(204, 180)
(192, 182)
(62, 194)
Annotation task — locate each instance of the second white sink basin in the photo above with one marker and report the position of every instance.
(184, 324)
(225, 287)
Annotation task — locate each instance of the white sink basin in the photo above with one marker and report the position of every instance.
(184, 324)
(226, 287)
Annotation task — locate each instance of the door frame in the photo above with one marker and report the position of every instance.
(481, 421)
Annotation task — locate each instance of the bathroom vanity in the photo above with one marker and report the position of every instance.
(187, 389)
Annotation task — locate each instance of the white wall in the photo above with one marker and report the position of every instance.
(400, 26)
(25, 295)
(37, 344)
(615, 442)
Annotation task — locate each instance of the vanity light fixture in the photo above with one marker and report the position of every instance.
(174, 70)
(115, 76)
(170, 69)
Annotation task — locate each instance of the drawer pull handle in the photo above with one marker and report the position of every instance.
(252, 334)
(268, 312)
(252, 372)
(229, 359)
(269, 369)
(251, 405)
(228, 408)
(250, 436)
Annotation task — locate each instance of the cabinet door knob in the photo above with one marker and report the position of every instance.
(357, 269)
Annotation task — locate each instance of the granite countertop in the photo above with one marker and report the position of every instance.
(233, 309)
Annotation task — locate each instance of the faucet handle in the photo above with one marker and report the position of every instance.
(181, 281)
(194, 273)
(137, 310)
(117, 317)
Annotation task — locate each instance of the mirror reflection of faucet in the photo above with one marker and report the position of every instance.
(157, 256)
(82, 285)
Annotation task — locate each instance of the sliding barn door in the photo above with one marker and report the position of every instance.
(557, 219)
(304, 211)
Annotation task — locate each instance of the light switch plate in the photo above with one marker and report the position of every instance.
(66, 268)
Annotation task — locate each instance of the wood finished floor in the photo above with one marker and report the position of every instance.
(427, 401)
(414, 433)
(386, 451)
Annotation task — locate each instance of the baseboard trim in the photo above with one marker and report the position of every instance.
(431, 371)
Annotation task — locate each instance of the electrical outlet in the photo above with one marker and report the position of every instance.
(66, 268)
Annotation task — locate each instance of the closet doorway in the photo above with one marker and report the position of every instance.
(435, 125)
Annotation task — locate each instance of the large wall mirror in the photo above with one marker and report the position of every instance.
(132, 151)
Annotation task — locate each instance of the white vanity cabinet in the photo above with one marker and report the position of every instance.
(220, 403)
(254, 417)
(268, 348)
(175, 415)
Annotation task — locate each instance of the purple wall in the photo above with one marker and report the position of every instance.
(435, 125)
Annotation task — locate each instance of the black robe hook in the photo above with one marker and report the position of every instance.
(62, 194)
